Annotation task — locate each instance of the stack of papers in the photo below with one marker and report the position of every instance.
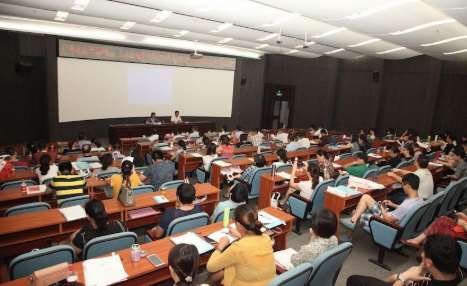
(361, 183)
(269, 221)
(197, 155)
(36, 189)
(231, 171)
(160, 199)
(284, 175)
(282, 258)
(216, 236)
(80, 165)
(73, 213)
(343, 191)
(192, 238)
(140, 213)
(104, 271)
(89, 159)
(222, 164)
(95, 165)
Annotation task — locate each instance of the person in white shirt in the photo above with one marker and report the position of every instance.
(194, 133)
(210, 155)
(293, 145)
(303, 141)
(237, 132)
(305, 188)
(283, 159)
(153, 119)
(426, 186)
(255, 137)
(282, 136)
(176, 118)
(47, 169)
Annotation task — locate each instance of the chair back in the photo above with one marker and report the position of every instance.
(384, 169)
(188, 222)
(299, 275)
(256, 179)
(411, 220)
(317, 197)
(342, 180)
(430, 213)
(23, 168)
(463, 262)
(27, 263)
(357, 153)
(108, 174)
(327, 266)
(108, 243)
(16, 184)
(371, 151)
(143, 189)
(284, 168)
(171, 185)
(220, 216)
(371, 174)
(27, 208)
(404, 164)
(141, 169)
(450, 192)
(461, 185)
(345, 156)
(73, 201)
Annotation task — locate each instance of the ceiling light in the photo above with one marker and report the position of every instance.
(305, 44)
(181, 33)
(268, 37)
(334, 51)
(328, 33)
(282, 19)
(80, 5)
(364, 43)
(161, 16)
(61, 16)
(291, 52)
(456, 52)
(222, 27)
(423, 26)
(127, 25)
(378, 9)
(225, 40)
(262, 46)
(391, 51)
(444, 41)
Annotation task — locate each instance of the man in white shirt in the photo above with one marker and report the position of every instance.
(153, 119)
(282, 136)
(176, 118)
(303, 141)
(293, 145)
(425, 189)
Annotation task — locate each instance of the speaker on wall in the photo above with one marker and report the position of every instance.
(243, 81)
(23, 67)
(376, 76)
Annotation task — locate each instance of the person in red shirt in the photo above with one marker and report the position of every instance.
(13, 158)
(42, 149)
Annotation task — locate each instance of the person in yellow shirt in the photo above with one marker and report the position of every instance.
(247, 261)
(127, 175)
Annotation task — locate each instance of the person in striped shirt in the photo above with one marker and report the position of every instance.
(66, 184)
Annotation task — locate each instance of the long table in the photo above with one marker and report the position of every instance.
(144, 273)
(117, 131)
(21, 233)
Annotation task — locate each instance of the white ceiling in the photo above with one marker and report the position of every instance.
(389, 29)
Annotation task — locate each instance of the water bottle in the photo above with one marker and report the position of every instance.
(135, 252)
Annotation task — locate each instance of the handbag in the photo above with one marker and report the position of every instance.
(126, 196)
(275, 199)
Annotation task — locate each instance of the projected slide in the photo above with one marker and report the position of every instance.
(93, 89)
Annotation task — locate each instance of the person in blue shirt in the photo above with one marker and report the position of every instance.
(238, 196)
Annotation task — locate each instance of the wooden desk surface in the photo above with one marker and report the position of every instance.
(20, 175)
(143, 272)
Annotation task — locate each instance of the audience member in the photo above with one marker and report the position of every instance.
(42, 149)
(66, 184)
(247, 175)
(238, 196)
(160, 171)
(304, 187)
(359, 167)
(283, 159)
(128, 178)
(225, 149)
(107, 161)
(394, 158)
(183, 264)
(325, 165)
(210, 155)
(47, 169)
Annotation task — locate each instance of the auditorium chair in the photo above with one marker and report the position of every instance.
(186, 223)
(299, 275)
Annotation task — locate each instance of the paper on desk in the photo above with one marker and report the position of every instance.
(364, 183)
(222, 164)
(435, 164)
(80, 165)
(104, 271)
(216, 236)
(284, 175)
(375, 155)
(89, 159)
(95, 165)
(73, 213)
(343, 191)
(160, 199)
(337, 166)
(36, 189)
(269, 221)
(192, 238)
(197, 155)
(282, 258)
(165, 148)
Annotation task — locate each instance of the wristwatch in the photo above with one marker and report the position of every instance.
(401, 278)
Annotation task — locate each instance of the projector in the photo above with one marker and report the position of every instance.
(196, 55)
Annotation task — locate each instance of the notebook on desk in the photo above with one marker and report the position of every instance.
(282, 258)
(269, 221)
(192, 238)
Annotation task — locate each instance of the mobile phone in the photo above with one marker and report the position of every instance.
(155, 260)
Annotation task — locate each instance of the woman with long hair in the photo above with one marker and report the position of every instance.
(183, 264)
(47, 169)
(128, 178)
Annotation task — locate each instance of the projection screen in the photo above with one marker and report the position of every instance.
(97, 89)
